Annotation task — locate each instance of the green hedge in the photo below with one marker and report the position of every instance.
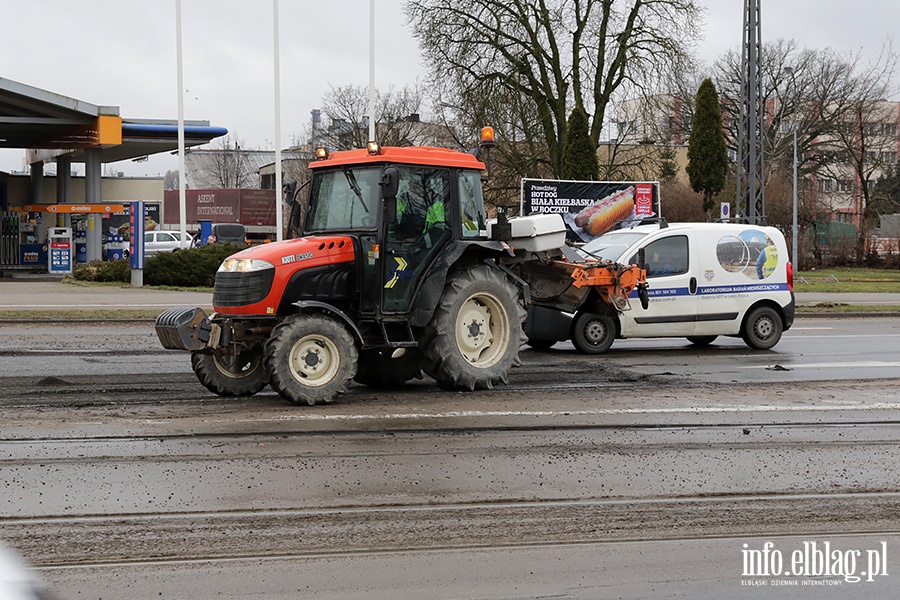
(192, 267)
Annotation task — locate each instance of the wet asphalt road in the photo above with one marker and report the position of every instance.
(640, 474)
(814, 349)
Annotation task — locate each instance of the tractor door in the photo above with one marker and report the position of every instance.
(417, 234)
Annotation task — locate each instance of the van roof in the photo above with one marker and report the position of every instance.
(646, 229)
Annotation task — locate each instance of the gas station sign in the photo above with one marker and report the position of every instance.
(59, 251)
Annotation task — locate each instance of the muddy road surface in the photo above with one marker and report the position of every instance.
(655, 471)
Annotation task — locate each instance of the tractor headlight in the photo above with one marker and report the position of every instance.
(244, 265)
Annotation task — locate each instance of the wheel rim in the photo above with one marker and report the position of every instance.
(765, 328)
(314, 360)
(237, 366)
(594, 332)
(482, 330)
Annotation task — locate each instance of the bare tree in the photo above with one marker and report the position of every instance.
(465, 110)
(171, 179)
(346, 111)
(226, 167)
(846, 134)
(554, 54)
(863, 133)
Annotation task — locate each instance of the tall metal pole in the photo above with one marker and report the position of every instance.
(182, 210)
(372, 71)
(750, 179)
(279, 208)
(795, 248)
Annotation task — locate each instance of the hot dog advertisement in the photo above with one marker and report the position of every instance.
(591, 208)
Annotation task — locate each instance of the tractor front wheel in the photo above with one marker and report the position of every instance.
(241, 374)
(310, 358)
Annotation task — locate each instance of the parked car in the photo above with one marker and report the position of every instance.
(164, 241)
(705, 280)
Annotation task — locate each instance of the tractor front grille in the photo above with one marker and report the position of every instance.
(240, 289)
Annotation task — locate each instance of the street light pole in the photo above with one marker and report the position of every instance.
(795, 249)
(794, 232)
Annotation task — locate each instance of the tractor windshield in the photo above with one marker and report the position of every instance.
(341, 199)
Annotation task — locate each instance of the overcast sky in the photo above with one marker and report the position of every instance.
(122, 53)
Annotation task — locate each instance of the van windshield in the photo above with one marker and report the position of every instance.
(611, 246)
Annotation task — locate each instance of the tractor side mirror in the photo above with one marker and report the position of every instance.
(289, 190)
(390, 184)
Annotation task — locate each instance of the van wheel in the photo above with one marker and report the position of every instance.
(701, 340)
(593, 333)
(762, 328)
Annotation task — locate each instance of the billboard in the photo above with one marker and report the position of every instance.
(258, 207)
(119, 223)
(250, 207)
(591, 208)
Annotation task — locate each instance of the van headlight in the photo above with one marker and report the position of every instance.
(244, 265)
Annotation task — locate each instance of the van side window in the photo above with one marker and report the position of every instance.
(668, 256)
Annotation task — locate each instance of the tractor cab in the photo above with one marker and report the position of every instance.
(403, 208)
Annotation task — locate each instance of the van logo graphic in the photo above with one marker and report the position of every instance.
(709, 274)
(401, 266)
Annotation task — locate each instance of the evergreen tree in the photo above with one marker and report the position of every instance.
(707, 157)
(579, 159)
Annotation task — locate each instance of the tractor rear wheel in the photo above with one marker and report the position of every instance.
(241, 374)
(310, 358)
(474, 336)
(378, 368)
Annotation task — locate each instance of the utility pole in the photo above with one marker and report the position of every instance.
(750, 198)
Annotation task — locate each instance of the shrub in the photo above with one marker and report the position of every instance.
(109, 271)
(192, 267)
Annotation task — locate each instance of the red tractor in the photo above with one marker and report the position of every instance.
(391, 271)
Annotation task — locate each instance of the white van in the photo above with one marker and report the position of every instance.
(705, 280)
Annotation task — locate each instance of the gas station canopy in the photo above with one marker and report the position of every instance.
(50, 126)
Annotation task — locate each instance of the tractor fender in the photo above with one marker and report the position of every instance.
(317, 306)
(432, 287)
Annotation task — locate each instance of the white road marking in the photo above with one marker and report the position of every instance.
(593, 412)
(116, 306)
(861, 364)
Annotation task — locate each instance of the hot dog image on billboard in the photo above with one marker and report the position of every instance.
(601, 216)
(591, 208)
